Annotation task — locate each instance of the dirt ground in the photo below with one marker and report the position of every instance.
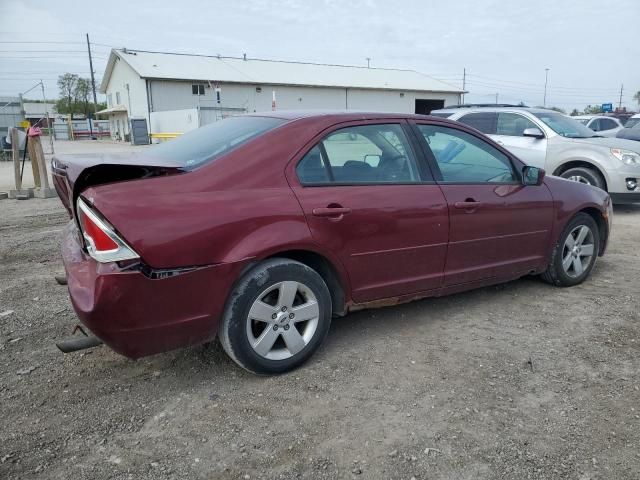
(518, 381)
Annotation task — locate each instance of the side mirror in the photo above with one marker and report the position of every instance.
(533, 132)
(532, 175)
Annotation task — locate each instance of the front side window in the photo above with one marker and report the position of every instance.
(464, 158)
(513, 124)
(483, 121)
(366, 154)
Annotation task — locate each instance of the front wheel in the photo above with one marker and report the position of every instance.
(277, 317)
(585, 175)
(575, 252)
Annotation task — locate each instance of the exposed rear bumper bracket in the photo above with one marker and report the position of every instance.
(74, 344)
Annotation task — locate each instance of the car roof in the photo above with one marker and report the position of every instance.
(494, 109)
(341, 115)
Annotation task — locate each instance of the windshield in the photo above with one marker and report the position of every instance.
(211, 141)
(441, 114)
(632, 122)
(565, 126)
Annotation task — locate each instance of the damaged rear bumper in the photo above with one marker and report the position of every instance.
(137, 314)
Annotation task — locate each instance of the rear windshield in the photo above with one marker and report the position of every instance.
(211, 141)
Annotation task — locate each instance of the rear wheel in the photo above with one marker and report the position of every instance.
(575, 252)
(277, 317)
(588, 176)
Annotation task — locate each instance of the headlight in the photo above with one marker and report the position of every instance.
(626, 156)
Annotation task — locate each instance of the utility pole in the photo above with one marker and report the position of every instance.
(496, 98)
(93, 85)
(546, 79)
(620, 102)
(464, 82)
(46, 110)
(368, 62)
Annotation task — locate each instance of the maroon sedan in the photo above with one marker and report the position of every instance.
(260, 228)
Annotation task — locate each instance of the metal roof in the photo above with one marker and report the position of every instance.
(177, 66)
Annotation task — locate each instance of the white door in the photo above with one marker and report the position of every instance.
(509, 130)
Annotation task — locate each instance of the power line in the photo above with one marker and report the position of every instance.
(42, 51)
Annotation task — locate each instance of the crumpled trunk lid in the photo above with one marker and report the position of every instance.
(74, 173)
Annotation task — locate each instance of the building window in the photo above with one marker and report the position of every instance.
(110, 100)
(117, 98)
(197, 89)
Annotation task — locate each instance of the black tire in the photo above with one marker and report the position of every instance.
(555, 273)
(587, 175)
(234, 332)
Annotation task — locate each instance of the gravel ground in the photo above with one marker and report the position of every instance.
(518, 381)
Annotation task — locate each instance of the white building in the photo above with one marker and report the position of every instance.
(169, 90)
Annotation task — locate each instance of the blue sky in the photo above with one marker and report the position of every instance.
(590, 47)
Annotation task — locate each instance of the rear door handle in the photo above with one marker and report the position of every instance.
(467, 205)
(331, 211)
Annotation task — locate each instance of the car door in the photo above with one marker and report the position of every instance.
(509, 133)
(498, 227)
(369, 201)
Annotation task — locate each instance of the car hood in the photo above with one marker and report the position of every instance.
(610, 142)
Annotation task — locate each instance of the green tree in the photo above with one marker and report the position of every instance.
(67, 84)
(82, 94)
(575, 112)
(75, 95)
(592, 109)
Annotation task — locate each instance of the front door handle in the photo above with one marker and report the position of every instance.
(331, 211)
(468, 205)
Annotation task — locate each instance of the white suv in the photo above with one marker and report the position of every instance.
(605, 126)
(560, 145)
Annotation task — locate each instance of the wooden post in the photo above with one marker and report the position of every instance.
(15, 152)
(40, 160)
(33, 158)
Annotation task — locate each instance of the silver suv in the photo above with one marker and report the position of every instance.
(560, 145)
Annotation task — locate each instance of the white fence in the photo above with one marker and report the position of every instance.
(171, 123)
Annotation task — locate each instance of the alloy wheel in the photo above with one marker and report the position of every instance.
(579, 179)
(282, 320)
(577, 251)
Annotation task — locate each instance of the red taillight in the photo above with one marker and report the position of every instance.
(101, 241)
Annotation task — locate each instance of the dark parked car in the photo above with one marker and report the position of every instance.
(631, 130)
(260, 228)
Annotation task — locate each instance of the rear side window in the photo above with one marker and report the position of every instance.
(607, 124)
(214, 140)
(483, 121)
(366, 154)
